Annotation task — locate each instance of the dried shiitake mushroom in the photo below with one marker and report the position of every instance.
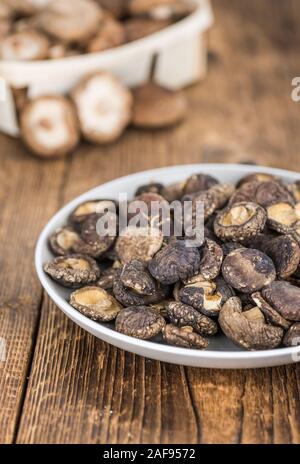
(176, 261)
(173, 192)
(240, 221)
(207, 297)
(73, 270)
(137, 28)
(138, 243)
(284, 217)
(139, 322)
(95, 303)
(199, 182)
(292, 336)
(284, 251)
(184, 337)
(152, 187)
(150, 209)
(246, 332)
(137, 278)
(24, 46)
(264, 193)
(110, 34)
(104, 107)
(258, 177)
(91, 241)
(49, 126)
(62, 241)
(70, 20)
(129, 297)
(284, 298)
(271, 315)
(211, 260)
(183, 315)
(156, 107)
(248, 270)
(108, 278)
(82, 212)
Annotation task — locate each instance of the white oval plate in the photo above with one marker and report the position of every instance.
(221, 353)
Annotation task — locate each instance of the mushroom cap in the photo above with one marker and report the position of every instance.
(248, 270)
(240, 221)
(139, 322)
(284, 298)
(49, 126)
(95, 303)
(70, 20)
(156, 107)
(103, 105)
(246, 332)
(24, 46)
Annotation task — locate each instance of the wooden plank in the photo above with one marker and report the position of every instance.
(29, 192)
(82, 390)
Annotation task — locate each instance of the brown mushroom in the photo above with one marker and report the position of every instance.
(138, 243)
(73, 270)
(103, 105)
(82, 212)
(284, 251)
(95, 303)
(176, 261)
(24, 46)
(199, 182)
(257, 177)
(183, 315)
(284, 298)
(272, 316)
(110, 34)
(184, 337)
(264, 193)
(173, 192)
(129, 297)
(207, 297)
(248, 270)
(108, 278)
(246, 332)
(70, 20)
(284, 217)
(292, 336)
(139, 322)
(49, 126)
(137, 278)
(240, 221)
(156, 107)
(62, 241)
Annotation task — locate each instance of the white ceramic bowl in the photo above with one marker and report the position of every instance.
(221, 353)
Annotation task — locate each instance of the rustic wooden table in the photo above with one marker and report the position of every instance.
(61, 385)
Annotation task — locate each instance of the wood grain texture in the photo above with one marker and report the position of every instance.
(81, 390)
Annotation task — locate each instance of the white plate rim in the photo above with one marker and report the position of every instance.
(135, 345)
